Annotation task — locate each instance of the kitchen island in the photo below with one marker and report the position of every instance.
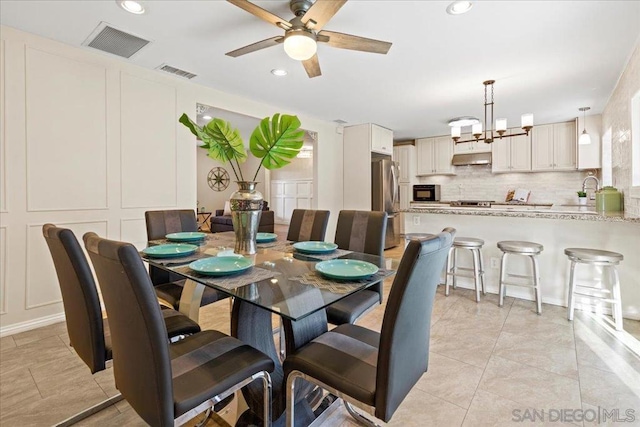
(556, 228)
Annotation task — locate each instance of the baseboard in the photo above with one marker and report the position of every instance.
(16, 328)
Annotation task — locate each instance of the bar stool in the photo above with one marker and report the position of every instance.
(475, 246)
(599, 258)
(528, 249)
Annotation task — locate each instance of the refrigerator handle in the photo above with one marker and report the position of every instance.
(395, 184)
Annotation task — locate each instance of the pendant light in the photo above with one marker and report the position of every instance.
(584, 139)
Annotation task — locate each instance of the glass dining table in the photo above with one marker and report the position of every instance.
(282, 281)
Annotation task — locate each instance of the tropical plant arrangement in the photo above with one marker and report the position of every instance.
(276, 140)
(582, 194)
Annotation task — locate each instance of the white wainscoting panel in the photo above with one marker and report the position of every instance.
(42, 286)
(3, 152)
(134, 231)
(289, 195)
(3, 270)
(148, 143)
(66, 147)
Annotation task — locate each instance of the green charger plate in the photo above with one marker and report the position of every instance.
(266, 237)
(170, 250)
(221, 266)
(346, 269)
(315, 247)
(187, 236)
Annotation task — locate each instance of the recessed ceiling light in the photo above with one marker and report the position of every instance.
(207, 117)
(279, 72)
(131, 6)
(459, 7)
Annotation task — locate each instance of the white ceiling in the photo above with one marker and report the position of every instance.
(547, 57)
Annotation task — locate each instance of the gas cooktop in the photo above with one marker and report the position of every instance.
(472, 203)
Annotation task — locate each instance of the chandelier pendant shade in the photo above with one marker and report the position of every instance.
(584, 139)
(487, 135)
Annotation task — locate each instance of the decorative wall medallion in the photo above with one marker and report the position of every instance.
(218, 179)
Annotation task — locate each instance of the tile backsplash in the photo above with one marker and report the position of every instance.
(478, 183)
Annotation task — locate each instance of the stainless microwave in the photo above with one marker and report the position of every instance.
(426, 193)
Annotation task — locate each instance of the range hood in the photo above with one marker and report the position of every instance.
(471, 159)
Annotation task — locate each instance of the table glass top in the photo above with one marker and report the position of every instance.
(281, 280)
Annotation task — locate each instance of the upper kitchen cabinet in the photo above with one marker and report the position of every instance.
(470, 147)
(369, 137)
(554, 147)
(589, 155)
(434, 156)
(381, 140)
(511, 154)
(405, 155)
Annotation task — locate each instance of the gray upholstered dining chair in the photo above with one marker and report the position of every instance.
(377, 370)
(89, 333)
(360, 231)
(166, 383)
(308, 225)
(168, 285)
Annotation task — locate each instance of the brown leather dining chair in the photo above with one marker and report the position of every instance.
(169, 286)
(359, 231)
(374, 370)
(308, 225)
(167, 383)
(89, 333)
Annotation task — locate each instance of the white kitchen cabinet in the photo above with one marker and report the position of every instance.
(470, 147)
(381, 140)
(405, 155)
(434, 156)
(511, 154)
(554, 147)
(405, 195)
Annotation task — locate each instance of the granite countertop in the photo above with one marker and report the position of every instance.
(583, 213)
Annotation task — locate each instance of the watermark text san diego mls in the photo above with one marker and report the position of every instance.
(598, 415)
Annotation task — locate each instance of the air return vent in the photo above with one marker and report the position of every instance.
(176, 71)
(115, 41)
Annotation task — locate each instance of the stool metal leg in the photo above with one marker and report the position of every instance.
(502, 288)
(476, 273)
(572, 288)
(484, 291)
(448, 276)
(617, 305)
(536, 282)
(454, 266)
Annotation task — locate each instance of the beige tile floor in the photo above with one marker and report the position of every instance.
(485, 362)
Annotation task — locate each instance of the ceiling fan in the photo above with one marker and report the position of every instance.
(304, 31)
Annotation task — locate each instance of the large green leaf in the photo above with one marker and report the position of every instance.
(277, 140)
(228, 142)
(221, 141)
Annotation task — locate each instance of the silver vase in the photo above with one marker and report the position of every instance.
(246, 209)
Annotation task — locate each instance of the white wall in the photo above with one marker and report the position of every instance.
(91, 142)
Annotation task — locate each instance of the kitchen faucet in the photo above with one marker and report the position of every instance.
(584, 183)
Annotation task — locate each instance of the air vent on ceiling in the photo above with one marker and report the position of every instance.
(176, 71)
(117, 42)
(340, 122)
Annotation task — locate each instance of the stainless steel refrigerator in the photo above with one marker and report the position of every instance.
(385, 195)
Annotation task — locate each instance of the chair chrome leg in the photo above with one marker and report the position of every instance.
(572, 288)
(617, 305)
(536, 283)
(502, 287)
(476, 272)
(207, 414)
(266, 389)
(360, 419)
(90, 411)
(447, 276)
(484, 291)
(290, 396)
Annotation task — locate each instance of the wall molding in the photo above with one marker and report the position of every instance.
(3, 270)
(28, 325)
(3, 131)
(27, 286)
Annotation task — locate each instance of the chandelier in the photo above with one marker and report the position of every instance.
(477, 128)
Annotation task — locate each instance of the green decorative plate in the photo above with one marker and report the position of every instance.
(315, 247)
(350, 269)
(266, 237)
(221, 266)
(170, 250)
(188, 236)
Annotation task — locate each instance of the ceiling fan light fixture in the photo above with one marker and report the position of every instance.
(300, 45)
(463, 121)
(131, 6)
(459, 7)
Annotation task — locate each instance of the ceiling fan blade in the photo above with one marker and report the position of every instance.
(261, 13)
(347, 41)
(312, 66)
(256, 46)
(321, 12)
